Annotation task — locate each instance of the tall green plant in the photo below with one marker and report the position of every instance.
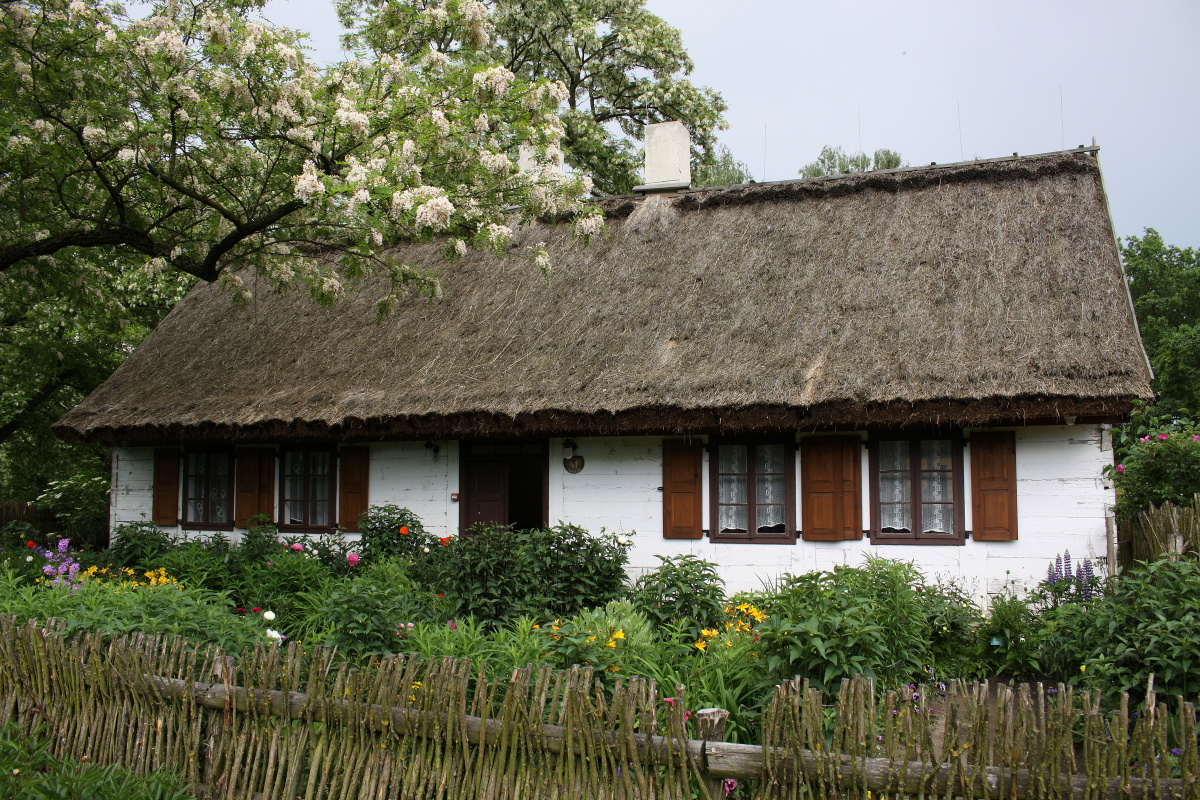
(682, 588)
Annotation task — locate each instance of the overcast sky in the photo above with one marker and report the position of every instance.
(944, 81)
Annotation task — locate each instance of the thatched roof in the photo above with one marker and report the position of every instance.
(967, 294)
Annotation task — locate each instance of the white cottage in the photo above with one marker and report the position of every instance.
(921, 363)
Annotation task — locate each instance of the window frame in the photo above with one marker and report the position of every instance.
(306, 527)
(714, 484)
(231, 488)
(959, 535)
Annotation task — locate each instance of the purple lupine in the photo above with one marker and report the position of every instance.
(1067, 563)
(1050, 579)
(1058, 567)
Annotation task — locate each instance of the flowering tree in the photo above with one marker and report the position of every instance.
(201, 139)
(623, 67)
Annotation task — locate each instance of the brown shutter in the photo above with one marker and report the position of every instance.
(255, 485)
(354, 476)
(994, 486)
(831, 488)
(166, 488)
(681, 489)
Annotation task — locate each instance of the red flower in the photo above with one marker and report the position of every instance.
(256, 609)
(30, 545)
(404, 530)
(445, 540)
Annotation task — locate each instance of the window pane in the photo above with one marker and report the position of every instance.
(731, 489)
(293, 512)
(220, 512)
(769, 519)
(936, 454)
(937, 487)
(293, 489)
(770, 489)
(895, 487)
(319, 489)
(895, 518)
(937, 518)
(732, 519)
(768, 458)
(194, 511)
(318, 463)
(893, 455)
(318, 513)
(294, 463)
(732, 458)
(196, 464)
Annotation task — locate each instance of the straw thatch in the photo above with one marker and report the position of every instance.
(970, 294)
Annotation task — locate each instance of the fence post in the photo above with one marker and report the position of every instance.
(710, 726)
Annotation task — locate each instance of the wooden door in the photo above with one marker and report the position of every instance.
(485, 492)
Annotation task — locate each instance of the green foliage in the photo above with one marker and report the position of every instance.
(836, 161)
(1164, 281)
(138, 545)
(682, 587)
(1164, 468)
(80, 503)
(1147, 622)
(206, 563)
(495, 573)
(722, 170)
(277, 583)
(29, 769)
(819, 630)
(1007, 638)
(388, 530)
(369, 615)
(116, 610)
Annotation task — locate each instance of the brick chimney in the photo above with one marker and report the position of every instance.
(668, 158)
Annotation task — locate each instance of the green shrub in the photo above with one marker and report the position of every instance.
(29, 769)
(1007, 638)
(953, 621)
(388, 530)
(1158, 468)
(818, 630)
(494, 573)
(138, 545)
(681, 588)
(370, 614)
(893, 591)
(205, 563)
(278, 582)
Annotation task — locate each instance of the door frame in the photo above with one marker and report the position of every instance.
(466, 458)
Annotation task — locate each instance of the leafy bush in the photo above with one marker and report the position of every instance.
(29, 769)
(1159, 468)
(953, 620)
(891, 589)
(206, 563)
(278, 582)
(494, 573)
(388, 530)
(681, 588)
(366, 614)
(819, 630)
(80, 504)
(138, 545)
(1006, 639)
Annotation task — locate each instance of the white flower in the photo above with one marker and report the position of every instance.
(434, 213)
(273, 634)
(498, 234)
(589, 226)
(424, 549)
(308, 185)
(269, 616)
(495, 163)
(439, 120)
(472, 10)
(497, 80)
(94, 136)
(29, 558)
(436, 59)
(126, 154)
(460, 247)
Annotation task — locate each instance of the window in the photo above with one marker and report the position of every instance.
(208, 489)
(753, 491)
(306, 490)
(917, 490)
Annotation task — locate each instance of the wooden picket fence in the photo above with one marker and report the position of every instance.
(282, 723)
(1168, 531)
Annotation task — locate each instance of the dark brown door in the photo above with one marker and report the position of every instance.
(505, 483)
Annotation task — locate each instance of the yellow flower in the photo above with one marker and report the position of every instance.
(701, 645)
(729, 644)
(1083, 668)
(620, 634)
(611, 644)
(536, 627)
(709, 632)
(591, 638)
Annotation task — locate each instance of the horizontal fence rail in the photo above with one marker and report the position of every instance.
(280, 723)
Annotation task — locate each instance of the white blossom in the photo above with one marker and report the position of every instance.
(460, 247)
(94, 136)
(439, 121)
(435, 213)
(308, 185)
(496, 80)
(498, 234)
(589, 225)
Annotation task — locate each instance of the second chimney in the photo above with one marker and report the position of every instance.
(668, 158)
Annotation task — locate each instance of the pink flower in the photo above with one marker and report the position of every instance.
(297, 546)
(352, 559)
(1164, 436)
(729, 785)
(1120, 469)
(256, 609)
(453, 624)
(1196, 437)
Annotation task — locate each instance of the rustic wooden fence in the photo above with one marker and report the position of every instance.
(1171, 529)
(280, 723)
(17, 511)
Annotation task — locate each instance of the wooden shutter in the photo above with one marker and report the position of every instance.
(166, 488)
(681, 489)
(354, 475)
(255, 485)
(831, 488)
(994, 486)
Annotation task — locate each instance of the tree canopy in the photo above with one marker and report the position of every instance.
(836, 161)
(722, 170)
(1164, 281)
(623, 67)
(201, 138)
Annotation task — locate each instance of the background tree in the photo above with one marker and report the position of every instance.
(1164, 281)
(722, 170)
(835, 161)
(623, 68)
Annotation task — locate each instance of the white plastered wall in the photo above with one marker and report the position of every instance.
(1062, 498)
